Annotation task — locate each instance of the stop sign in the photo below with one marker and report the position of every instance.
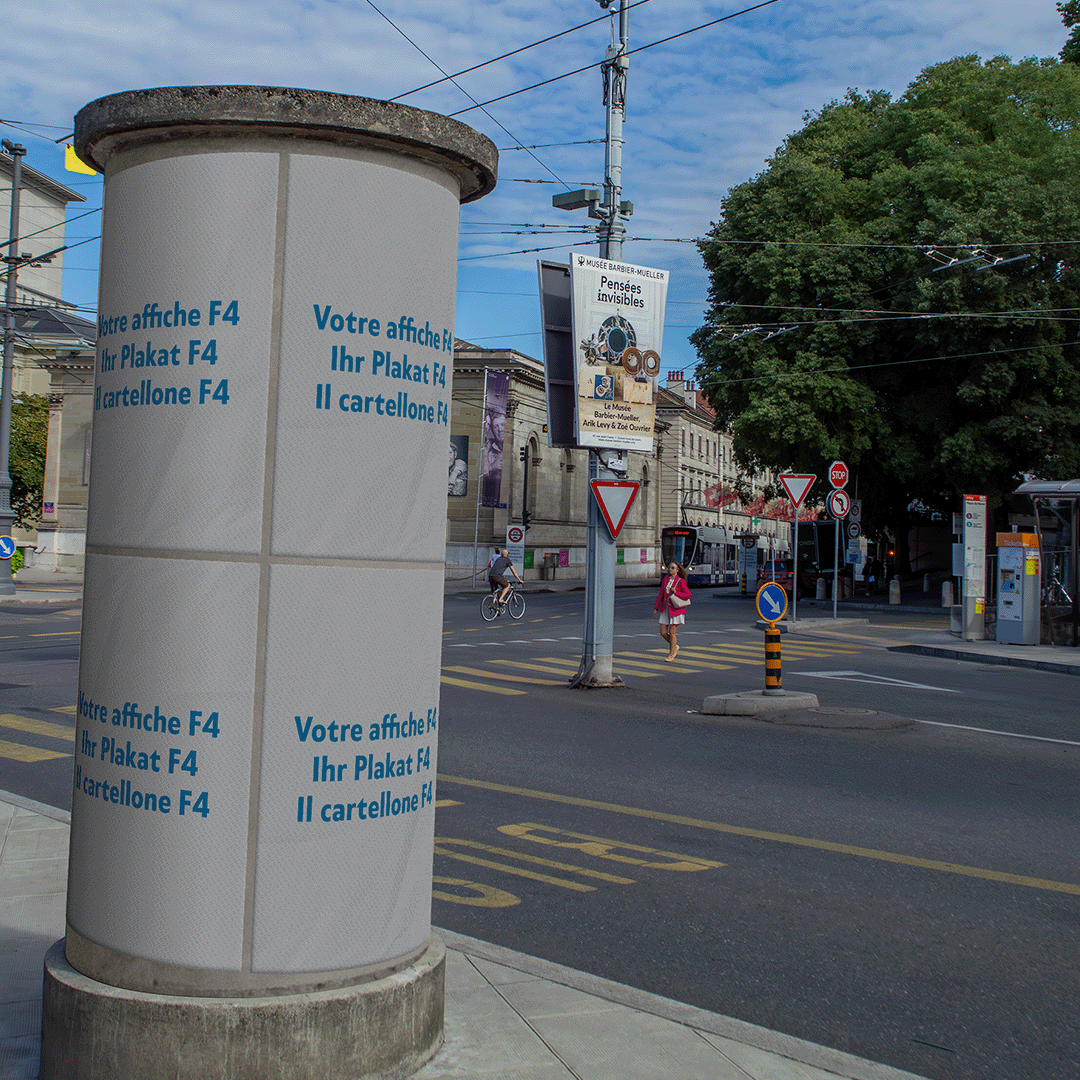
(838, 474)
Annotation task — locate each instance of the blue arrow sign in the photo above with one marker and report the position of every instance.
(771, 601)
(7, 547)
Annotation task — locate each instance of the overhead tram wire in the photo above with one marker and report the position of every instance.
(476, 105)
(629, 52)
(505, 56)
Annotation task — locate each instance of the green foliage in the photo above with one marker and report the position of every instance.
(17, 560)
(831, 239)
(29, 438)
(1070, 16)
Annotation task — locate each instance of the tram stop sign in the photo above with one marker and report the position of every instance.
(771, 602)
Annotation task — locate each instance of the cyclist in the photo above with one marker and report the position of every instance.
(497, 575)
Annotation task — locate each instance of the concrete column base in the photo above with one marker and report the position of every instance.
(383, 1030)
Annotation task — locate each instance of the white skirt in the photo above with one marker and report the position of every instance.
(671, 620)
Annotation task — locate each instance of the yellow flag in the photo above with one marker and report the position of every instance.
(73, 164)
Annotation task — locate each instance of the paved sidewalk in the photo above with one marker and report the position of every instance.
(35, 586)
(508, 1016)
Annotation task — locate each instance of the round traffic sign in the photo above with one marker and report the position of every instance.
(855, 511)
(771, 601)
(515, 534)
(838, 474)
(839, 503)
(7, 547)
(854, 530)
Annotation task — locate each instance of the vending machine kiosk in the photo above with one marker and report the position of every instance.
(1018, 587)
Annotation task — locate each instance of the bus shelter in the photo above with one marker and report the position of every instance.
(1057, 517)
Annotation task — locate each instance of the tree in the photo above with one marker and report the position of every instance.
(29, 439)
(930, 380)
(1070, 16)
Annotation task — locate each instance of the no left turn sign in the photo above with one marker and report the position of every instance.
(839, 503)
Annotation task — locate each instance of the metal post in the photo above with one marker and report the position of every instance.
(600, 558)
(479, 478)
(7, 517)
(835, 563)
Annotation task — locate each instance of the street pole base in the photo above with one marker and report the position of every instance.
(386, 1029)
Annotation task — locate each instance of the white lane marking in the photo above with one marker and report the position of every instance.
(1007, 734)
(877, 680)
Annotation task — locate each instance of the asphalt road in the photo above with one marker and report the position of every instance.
(908, 892)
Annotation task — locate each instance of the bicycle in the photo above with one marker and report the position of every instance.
(491, 609)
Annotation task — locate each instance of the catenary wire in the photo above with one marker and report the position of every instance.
(629, 52)
(524, 48)
(477, 105)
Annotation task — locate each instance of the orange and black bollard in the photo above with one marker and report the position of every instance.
(774, 683)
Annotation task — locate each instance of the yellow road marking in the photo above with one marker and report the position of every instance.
(486, 895)
(68, 710)
(59, 633)
(480, 686)
(18, 752)
(601, 848)
(447, 802)
(37, 727)
(698, 665)
(499, 675)
(653, 662)
(536, 860)
(780, 838)
(520, 871)
(572, 666)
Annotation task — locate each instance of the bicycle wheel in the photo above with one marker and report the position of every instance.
(489, 608)
(516, 605)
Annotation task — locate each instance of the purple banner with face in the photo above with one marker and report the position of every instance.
(498, 386)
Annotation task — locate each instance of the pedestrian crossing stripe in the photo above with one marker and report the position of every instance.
(481, 686)
(500, 675)
(687, 665)
(14, 751)
(37, 727)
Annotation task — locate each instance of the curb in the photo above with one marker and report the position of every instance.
(987, 658)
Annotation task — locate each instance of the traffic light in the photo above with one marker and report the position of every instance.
(526, 517)
(522, 454)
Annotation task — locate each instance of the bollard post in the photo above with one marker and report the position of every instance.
(946, 594)
(894, 591)
(744, 583)
(926, 583)
(774, 683)
(819, 591)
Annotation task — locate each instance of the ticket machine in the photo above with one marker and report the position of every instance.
(1018, 587)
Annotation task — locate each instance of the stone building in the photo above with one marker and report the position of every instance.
(53, 356)
(557, 480)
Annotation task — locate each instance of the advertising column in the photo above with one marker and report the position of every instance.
(258, 706)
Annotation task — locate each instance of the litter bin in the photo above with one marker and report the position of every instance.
(550, 562)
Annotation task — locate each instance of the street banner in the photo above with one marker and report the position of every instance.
(498, 387)
(618, 325)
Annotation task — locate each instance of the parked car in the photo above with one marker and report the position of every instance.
(779, 570)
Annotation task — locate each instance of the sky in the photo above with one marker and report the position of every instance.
(704, 112)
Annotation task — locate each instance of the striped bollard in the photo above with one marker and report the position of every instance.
(774, 682)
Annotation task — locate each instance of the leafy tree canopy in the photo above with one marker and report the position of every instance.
(29, 438)
(1070, 16)
(928, 379)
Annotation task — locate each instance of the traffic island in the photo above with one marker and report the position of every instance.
(755, 702)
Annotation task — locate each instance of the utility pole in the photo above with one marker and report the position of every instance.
(600, 555)
(7, 517)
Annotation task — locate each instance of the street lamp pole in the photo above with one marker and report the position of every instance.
(7, 517)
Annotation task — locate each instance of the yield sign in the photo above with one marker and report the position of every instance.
(615, 498)
(797, 485)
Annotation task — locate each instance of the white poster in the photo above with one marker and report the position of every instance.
(975, 546)
(618, 330)
(255, 765)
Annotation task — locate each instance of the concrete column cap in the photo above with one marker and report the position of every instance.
(133, 118)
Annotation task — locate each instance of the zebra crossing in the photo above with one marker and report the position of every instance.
(511, 677)
(53, 735)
